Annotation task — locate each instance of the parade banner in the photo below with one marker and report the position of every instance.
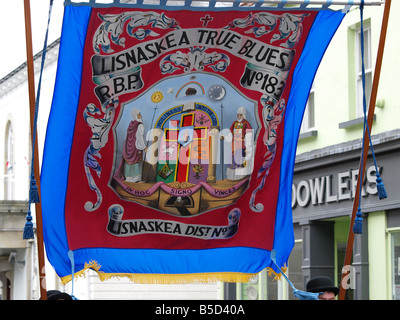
(172, 135)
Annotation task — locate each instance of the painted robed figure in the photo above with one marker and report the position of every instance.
(241, 131)
(132, 156)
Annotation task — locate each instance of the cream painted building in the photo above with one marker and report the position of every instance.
(326, 169)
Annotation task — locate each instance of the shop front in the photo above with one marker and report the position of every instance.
(323, 191)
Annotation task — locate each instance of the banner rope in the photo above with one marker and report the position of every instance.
(302, 295)
(33, 190)
(72, 260)
(382, 194)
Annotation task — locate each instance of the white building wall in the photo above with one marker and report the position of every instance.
(123, 289)
(13, 107)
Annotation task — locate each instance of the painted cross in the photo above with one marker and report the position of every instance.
(185, 149)
(206, 19)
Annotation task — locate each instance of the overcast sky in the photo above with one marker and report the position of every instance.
(12, 26)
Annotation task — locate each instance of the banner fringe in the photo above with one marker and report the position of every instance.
(276, 276)
(163, 278)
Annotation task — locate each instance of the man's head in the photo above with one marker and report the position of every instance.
(327, 295)
(324, 286)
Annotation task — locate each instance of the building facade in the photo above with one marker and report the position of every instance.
(327, 162)
(326, 170)
(324, 182)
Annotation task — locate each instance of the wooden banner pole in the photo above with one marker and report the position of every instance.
(32, 100)
(371, 110)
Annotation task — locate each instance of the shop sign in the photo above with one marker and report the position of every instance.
(331, 188)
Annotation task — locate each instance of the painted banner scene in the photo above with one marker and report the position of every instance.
(172, 137)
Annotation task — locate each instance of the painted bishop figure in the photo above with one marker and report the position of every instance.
(241, 131)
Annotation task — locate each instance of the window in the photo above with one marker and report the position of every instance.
(9, 163)
(368, 68)
(308, 118)
(395, 237)
(295, 273)
(272, 288)
(340, 257)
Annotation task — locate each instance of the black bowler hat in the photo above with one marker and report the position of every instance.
(321, 284)
(58, 295)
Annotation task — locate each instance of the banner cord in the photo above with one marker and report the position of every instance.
(302, 295)
(382, 194)
(33, 190)
(72, 260)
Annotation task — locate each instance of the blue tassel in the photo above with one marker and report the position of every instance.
(357, 226)
(28, 229)
(33, 192)
(381, 187)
